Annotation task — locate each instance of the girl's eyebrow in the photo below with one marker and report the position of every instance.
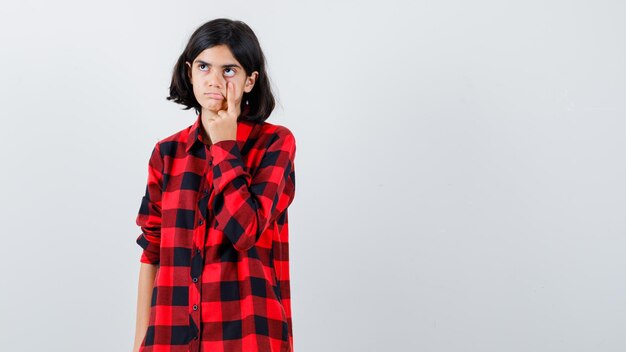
(223, 66)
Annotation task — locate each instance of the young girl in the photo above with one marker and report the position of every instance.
(214, 230)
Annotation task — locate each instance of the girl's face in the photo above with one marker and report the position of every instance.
(209, 73)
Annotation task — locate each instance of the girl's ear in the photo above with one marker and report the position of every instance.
(250, 80)
(188, 70)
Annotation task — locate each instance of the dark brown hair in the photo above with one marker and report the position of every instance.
(245, 47)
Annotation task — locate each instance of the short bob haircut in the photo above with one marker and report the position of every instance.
(245, 47)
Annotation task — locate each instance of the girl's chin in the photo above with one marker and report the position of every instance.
(214, 108)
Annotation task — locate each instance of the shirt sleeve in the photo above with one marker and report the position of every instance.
(149, 216)
(245, 205)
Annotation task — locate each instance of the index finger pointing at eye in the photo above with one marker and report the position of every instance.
(230, 97)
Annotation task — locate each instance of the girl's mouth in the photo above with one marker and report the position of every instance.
(214, 96)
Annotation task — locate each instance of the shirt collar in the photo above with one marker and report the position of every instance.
(244, 127)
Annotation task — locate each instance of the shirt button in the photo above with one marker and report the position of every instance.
(195, 307)
(195, 337)
(195, 279)
(198, 250)
(201, 222)
(205, 191)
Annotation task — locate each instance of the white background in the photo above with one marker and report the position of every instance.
(460, 168)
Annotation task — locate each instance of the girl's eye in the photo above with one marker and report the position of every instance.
(230, 70)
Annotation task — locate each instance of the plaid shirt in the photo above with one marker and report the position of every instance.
(214, 219)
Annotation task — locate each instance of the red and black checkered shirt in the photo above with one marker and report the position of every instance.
(214, 219)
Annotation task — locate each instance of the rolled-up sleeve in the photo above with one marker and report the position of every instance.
(149, 216)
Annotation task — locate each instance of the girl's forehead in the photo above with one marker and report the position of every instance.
(217, 52)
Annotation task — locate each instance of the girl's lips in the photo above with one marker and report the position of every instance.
(214, 95)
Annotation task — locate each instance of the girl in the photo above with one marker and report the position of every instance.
(214, 230)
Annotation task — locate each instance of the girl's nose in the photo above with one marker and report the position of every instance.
(215, 79)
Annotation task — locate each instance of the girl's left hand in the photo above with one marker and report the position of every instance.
(223, 124)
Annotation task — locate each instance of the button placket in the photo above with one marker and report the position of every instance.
(196, 266)
(198, 259)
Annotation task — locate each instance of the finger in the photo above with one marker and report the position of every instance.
(230, 98)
